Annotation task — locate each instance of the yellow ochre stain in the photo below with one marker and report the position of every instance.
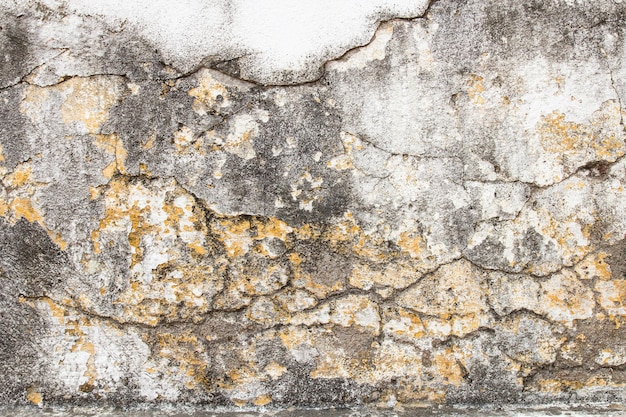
(23, 208)
(600, 136)
(209, 94)
(475, 88)
(114, 146)
(448, 368)
(20, 176)
(262, 400)
(34, 396)
(412, 244)
(88, 100)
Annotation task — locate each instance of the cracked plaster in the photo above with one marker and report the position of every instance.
(207, 214)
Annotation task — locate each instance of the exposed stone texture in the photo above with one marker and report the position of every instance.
(438, 216)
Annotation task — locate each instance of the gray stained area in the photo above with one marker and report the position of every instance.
(435, 217)
(571, 411)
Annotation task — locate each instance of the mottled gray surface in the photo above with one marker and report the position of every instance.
(435, 217)
(573, 411)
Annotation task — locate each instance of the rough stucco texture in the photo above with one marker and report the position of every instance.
(227, 216)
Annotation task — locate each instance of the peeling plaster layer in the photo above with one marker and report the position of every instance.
(272, 42)
(440, 218)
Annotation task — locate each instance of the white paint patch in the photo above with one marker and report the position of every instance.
(272, 37)
(564, 88)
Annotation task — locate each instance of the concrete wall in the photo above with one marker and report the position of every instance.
(279, 203)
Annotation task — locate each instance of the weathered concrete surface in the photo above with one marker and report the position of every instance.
(188, 411)
(436, 217)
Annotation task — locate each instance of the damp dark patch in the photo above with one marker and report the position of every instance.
(21, 331)
(324, 265)
(15, 55)
(30, 259)
(297, 388)
(489, 254)
(13, 129)
(617, 259)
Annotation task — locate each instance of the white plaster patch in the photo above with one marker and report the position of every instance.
(273, 37)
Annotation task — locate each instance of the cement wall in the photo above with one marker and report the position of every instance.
(313, 203)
